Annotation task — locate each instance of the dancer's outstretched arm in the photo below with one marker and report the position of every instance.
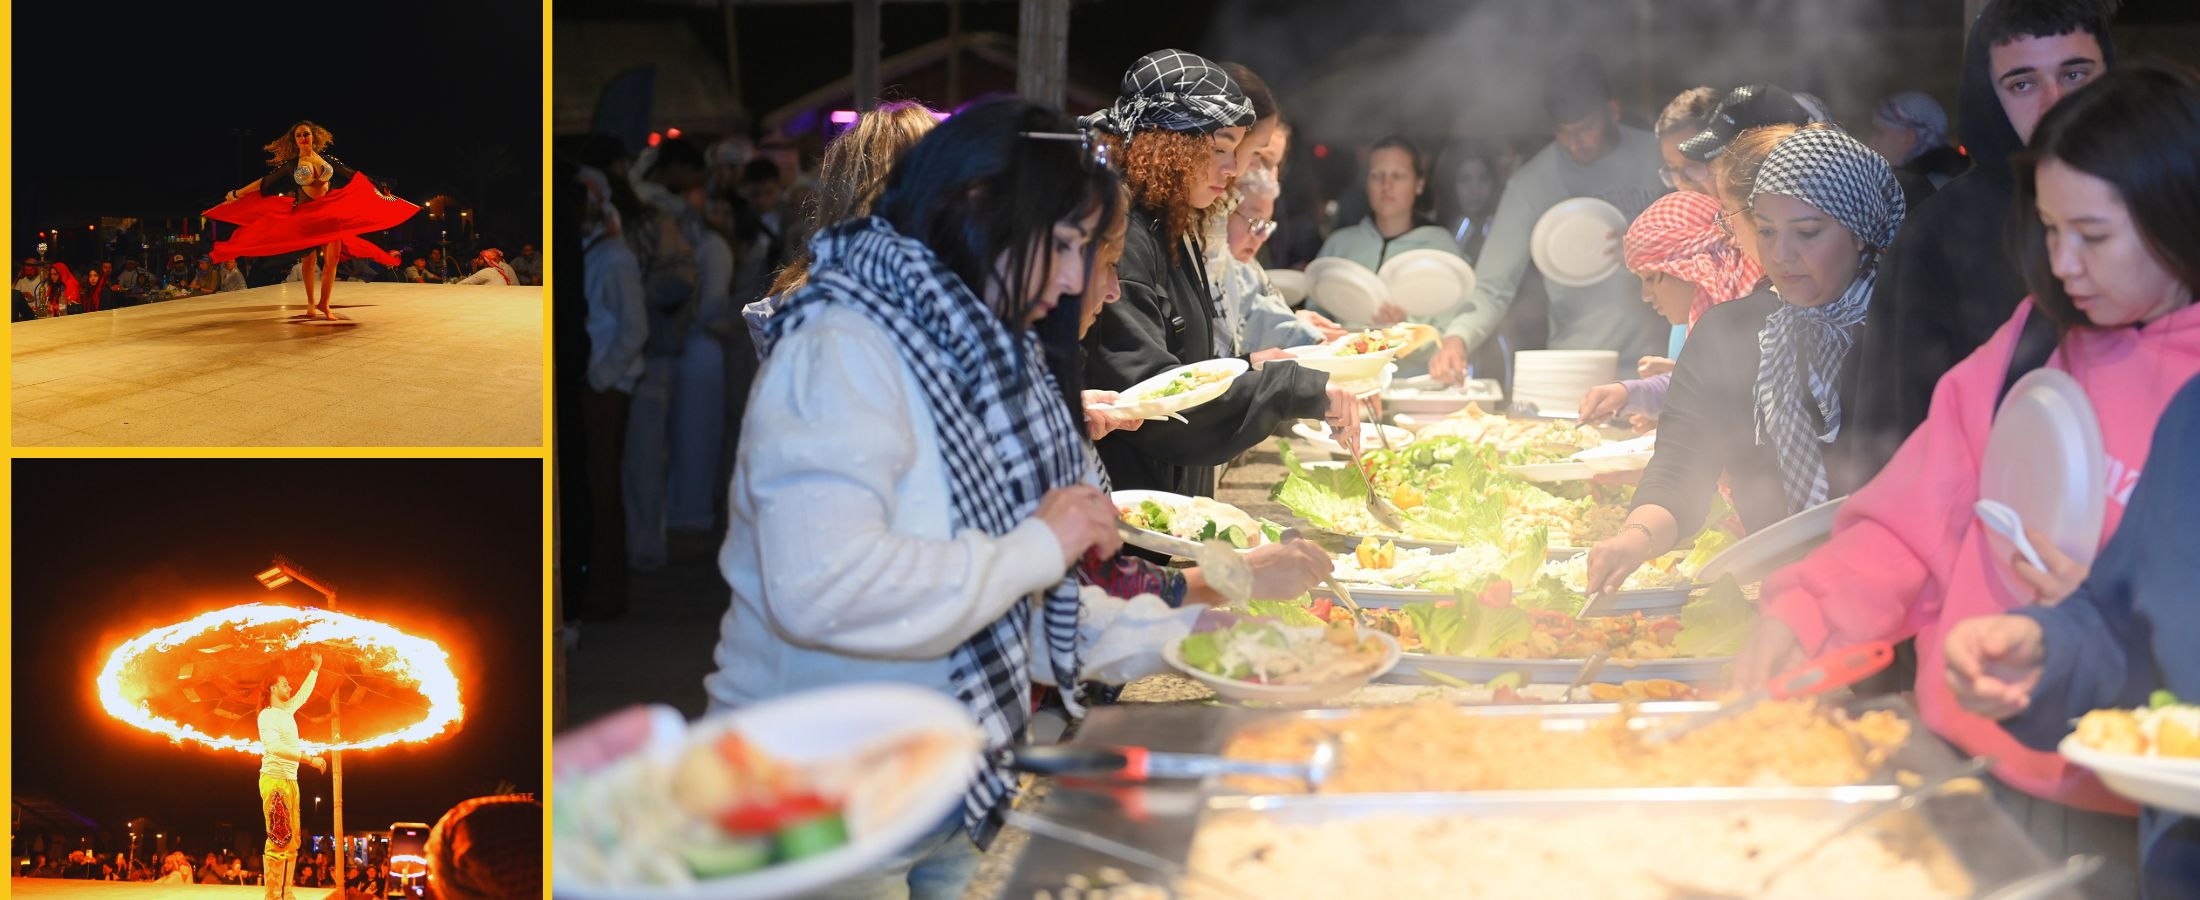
(305, 688)
(250, 190)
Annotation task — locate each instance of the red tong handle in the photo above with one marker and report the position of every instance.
(1832, 671)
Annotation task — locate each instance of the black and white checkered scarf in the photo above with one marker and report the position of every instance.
(1798, 403)
(1005, 434)
(1174, 91)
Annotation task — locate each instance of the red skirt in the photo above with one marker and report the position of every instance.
(274, 225)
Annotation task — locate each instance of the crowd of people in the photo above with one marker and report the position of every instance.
(1810, 309)
(223, 867)
(48, 289)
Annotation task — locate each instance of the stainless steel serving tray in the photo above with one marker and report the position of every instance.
(1692, 670)
(1163, 819)
(1649, 602)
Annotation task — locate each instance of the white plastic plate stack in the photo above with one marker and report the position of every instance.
(1556, 380)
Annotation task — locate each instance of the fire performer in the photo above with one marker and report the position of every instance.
(279, 777)
(309, 201)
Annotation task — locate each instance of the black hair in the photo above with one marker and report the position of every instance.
(2137, 128)
(1256, 90)
(2005, 21)
(1573, 88)
(679, 152)
(758, 170)
(604, 153)
(976, 190)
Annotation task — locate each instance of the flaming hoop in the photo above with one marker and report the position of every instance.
(203, 680)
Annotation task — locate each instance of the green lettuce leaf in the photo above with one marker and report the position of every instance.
(1202, 651)
(1717, 623)
(1468, 629)
(1710, 543)
(1549, 593)
(1288, 612)
(1527, 559)
(1324, 497)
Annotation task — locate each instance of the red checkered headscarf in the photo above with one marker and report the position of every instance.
(1679, 235)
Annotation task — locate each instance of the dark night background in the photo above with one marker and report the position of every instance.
(107, 549)
(155, 110)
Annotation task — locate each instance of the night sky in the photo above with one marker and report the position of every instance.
(106, 549)
(156, 110)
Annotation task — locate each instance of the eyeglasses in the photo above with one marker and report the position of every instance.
(1261, 228)
(1093, 150)
(1726, 221)
(1672, 176)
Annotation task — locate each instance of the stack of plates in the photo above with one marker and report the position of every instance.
(1556, 380)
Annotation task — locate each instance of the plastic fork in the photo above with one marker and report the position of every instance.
(2005, 521)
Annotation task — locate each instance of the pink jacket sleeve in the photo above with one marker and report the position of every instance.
(1896, 536)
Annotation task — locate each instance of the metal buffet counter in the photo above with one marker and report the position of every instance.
(1961, 836)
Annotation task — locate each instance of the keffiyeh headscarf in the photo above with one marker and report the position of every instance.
(1006, 438)
(1174, 91)
(1798, 404)
(1918, 113)
(1679, 235)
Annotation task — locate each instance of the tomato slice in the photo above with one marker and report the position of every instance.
(770, 816)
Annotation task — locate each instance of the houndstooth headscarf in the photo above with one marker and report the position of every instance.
(1174, 91)
(1801, 349)
(1006, 438)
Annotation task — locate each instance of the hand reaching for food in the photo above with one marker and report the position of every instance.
(1653, 366)
(1344, 418)
(1602, 402)
(1285, 570)
(1994, 662)
(1082, 518)
(1329, 330)
(1449, 365)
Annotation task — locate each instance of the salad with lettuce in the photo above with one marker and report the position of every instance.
(1200, 520)
(1269, 652)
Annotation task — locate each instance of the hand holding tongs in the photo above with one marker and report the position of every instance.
(1829, 672)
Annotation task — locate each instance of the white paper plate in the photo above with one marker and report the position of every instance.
(1134, 404)
(1577, 242)
(818, 726)
(2172, 784)
(1428, 283)
(1283, 694)
(1346, 290)
(1632, 455)
(1292, 284)
(1317, 434)
(1778, 544)
(1224, 511)
(2044, 459)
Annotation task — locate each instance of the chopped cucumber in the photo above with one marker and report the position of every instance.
(2160, 699)
(731, 856)
(811, 837)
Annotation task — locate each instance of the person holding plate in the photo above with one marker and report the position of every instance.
(929, 489)
(2107, 188)
(1757, 393)
(1179, 133)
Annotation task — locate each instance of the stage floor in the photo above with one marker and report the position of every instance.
(58, 889)
(427, 365)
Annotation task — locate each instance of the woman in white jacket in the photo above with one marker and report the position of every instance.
(927, 486)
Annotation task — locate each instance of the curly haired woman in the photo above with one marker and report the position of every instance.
(1179, 132)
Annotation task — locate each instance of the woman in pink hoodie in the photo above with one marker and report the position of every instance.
(2108, 251)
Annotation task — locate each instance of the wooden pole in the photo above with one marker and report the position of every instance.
(867, 52)
(1042, 50)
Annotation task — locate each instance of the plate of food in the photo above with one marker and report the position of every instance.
(1194, 519)
(1316, 434)
(778, 799)
(2149, 755)
(1176, 390)
(1261, 661)
(1360, 356)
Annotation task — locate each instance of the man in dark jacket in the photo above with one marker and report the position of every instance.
(1948, 281)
